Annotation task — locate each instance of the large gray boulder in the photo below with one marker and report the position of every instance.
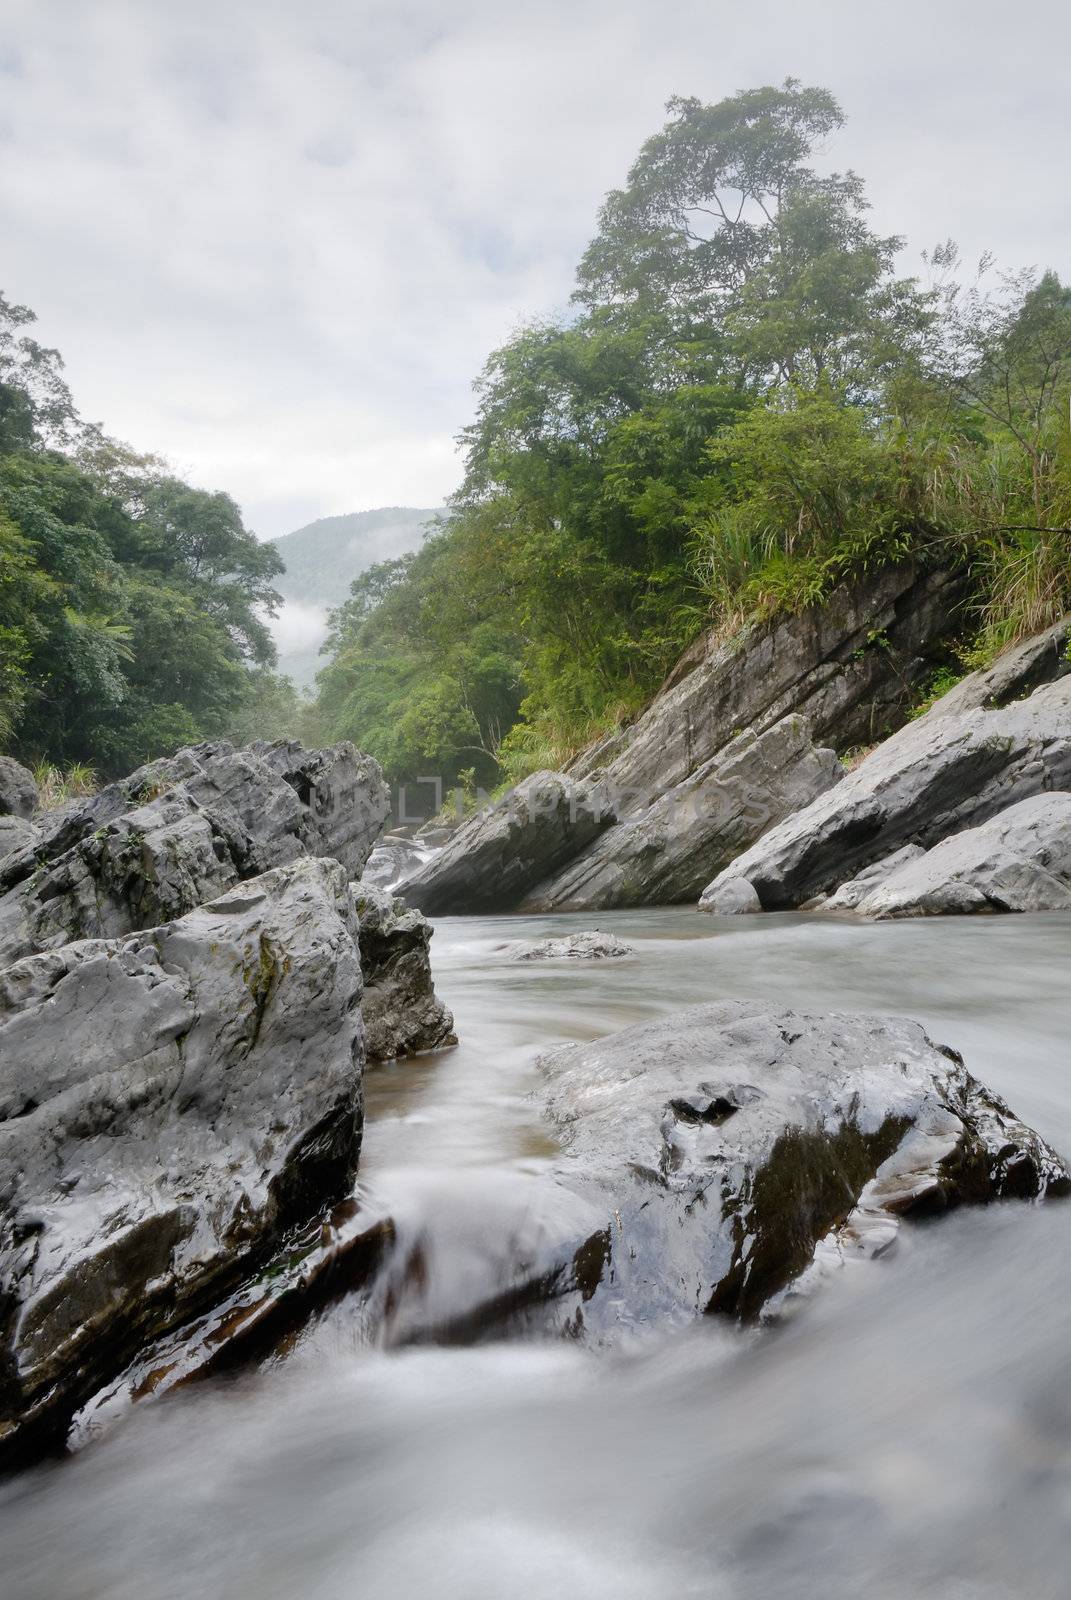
(669, 852)
(851, 666)
(171, 1103)
(18, 789)
(402, 1013)
(501, 852)
(733, 1147)
(936, 777)
(180, 831)
(1020, 860)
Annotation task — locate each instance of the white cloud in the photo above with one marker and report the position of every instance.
(298, 626)
(276, 242)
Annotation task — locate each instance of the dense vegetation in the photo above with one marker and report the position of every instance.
(132, 606)
(746, 405)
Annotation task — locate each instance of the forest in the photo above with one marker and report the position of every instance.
(133, 607)
(745, 405)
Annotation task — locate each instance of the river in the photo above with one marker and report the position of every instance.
(906, 1437)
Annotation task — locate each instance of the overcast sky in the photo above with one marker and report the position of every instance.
(276, 239)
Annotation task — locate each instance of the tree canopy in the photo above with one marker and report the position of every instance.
(746, 404)
(132, 605)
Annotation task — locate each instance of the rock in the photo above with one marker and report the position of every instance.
(733, 898)
(1020, 860)
(171, 1103)
(934, 778)
(849, 894)
(18, 789)
(344, 798)
(587, 946)
(851, 666)
(393, 859)
(1017, 672)
(667, 853)
(179, 832)
(730, 1144)
(16, 833)
(402, 1013)
(500, 853)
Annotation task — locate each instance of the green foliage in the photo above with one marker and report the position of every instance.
(747, 407)
(132, 606)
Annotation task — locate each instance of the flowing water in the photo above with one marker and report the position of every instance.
(907, 1436)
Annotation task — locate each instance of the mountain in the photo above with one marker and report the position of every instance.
(322, 560)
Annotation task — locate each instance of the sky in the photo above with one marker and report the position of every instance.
(276, 240)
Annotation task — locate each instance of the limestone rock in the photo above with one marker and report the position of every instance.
(170, 1104)
(1017, 672)
(934, 778)
(16, 833)
(731, 1144)
(667, 853)
(18, 789)
(590, 945)
(402, 1013)
(848, 896)
(733, 898)
(849, 665)
(1020, 860)
(180, 831)
(500, 853)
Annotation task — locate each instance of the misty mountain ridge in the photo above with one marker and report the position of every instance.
(322, 560)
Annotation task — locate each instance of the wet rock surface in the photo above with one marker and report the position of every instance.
(18, 789)
(171, 1103)
(395, 857)
(178, 832)
(735, 1147)
(933, 779)
(500, 853)
(667, 854)
(591, 945)
(1020, 860)
(402, 1013)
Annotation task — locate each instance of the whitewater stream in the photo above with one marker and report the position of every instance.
(906, 1436)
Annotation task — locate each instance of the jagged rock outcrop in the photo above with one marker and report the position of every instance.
(500, 853)
(850, 666)
(18, 789)
(171, 1103)
(732, 1146)
(402, 1013)
(1018, 672)
(16, 833)
(178, 832)
(1020, 860)
(669, 852)
(934, 778)
(591, 945)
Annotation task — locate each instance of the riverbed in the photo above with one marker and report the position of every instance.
(906, 1436)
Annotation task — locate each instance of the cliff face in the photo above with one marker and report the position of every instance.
(682, 794)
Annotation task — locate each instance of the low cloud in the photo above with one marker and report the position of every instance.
(276, 243)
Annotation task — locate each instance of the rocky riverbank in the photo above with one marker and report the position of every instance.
(199, 963)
